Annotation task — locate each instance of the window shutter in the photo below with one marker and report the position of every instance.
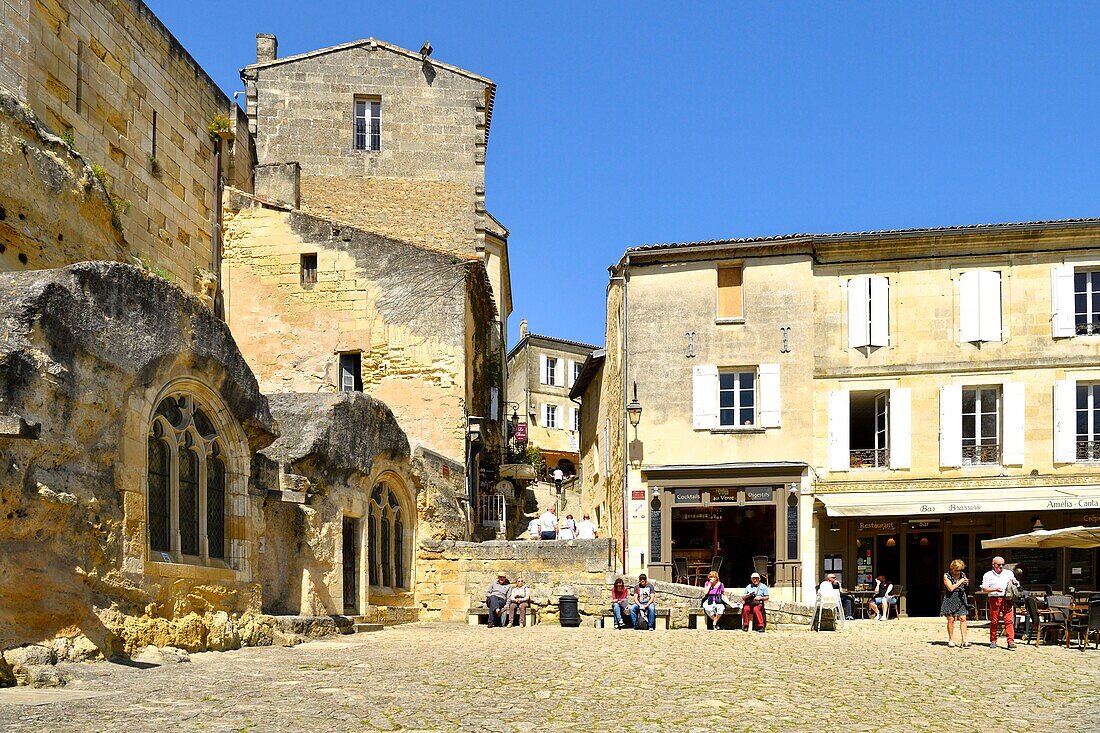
(572, 418)
(1012, 438)
(1065, 420)
(494, 403)
(951, 426)
(880, 311)
(771, 400)
(858, 287)
(1061, 299)
(969, 307)
(704, 396)
(839, 457)
(543, 378)
(569, 373)
(543, 414)
(989, 299)
(901, 399)
(559, 373)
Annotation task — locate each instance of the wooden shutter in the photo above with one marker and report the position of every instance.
(969, 307)
(543, 376)
(730, 304)
(559, 372)
(951, 426)
(839, 407)
(771, 399)
(1065, 420)
(569, 373)
(704, 396)
(858, 313)
(1012, 424)
(989, 300)
(1061, 300)
(901, 428)
(880, 311)
(543, 415)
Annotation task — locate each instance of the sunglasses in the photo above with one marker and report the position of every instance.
(998, 564)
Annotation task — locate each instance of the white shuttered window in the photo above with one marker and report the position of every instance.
(868, 311)
(951, 426)
(980, 306)
(1012, 450)
(1061, 300)
(901, 399)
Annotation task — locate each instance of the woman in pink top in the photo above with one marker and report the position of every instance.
(620, 602)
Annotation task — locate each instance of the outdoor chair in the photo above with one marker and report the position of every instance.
(1041, 620)
(679, 570)
(760, 565)
(895, 608)
(1086, 626)
(716, 565)
(828, 599)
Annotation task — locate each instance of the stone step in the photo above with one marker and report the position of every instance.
(361, 628)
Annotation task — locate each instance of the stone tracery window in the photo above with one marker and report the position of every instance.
(387, 530)
(186, 481)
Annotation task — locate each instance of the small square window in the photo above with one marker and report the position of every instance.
(730, 304)
(309, 269)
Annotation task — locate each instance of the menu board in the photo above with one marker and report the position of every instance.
(792, 532)
(655, 535)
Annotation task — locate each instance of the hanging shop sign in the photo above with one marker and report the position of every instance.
(521, 432)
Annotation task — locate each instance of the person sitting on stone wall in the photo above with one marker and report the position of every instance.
(756, 593)
(620, 602)
(644, 603)
(496, 598)
(519, 596)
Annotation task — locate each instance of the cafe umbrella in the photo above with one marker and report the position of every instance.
(1078, 537)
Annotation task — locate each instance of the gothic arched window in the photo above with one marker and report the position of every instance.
(187, 480)
(388, 539)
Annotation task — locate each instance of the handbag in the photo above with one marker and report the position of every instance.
(1013, 592)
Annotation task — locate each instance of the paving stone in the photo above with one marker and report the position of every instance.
(454, 677)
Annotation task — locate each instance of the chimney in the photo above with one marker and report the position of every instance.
(267, 47)
(523, 328)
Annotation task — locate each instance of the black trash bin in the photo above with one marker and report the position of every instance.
(567, 611)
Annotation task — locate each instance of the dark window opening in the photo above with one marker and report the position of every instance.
(368, 124)
(309, 269)
(351, 368)
(869, 430)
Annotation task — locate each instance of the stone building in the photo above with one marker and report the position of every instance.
(541, 371)
(110, 79)
(154, 493)
(854, 403)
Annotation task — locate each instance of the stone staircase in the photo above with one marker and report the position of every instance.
(360, 625)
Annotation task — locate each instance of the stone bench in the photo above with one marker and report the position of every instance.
(661, 621)
(731, 618)
(480, 616)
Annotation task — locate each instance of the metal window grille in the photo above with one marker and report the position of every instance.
(492, 512)
(1086, 302)
(215, 507)
(1088, 421)
(981, 416)
(368, 125)
(189, 501)
(870, 458)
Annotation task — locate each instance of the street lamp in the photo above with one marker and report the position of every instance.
(634, 409)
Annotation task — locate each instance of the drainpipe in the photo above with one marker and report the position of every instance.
(216, 234)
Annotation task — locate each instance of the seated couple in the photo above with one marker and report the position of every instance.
(507, 601)
(752, 599)
(644, 603)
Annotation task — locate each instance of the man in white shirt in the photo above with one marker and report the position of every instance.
(995, 582)
(548, 525)
(533, 529)
(586, 530)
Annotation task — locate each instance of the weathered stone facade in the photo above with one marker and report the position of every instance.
(111, 76)
(87, 354)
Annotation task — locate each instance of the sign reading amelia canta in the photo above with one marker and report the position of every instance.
(977, 506)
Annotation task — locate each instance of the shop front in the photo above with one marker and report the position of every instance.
(739, 520)
(911, 538)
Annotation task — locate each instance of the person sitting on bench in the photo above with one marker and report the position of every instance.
(496, 598)
(643, 602)
(515, 613)
(756, 592)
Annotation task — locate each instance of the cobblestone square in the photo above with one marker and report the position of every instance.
(443, 677)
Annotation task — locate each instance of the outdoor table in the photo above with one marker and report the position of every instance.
(697, 572)
(860, 600)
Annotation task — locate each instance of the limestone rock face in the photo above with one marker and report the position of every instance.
(84, 352)
(161, 655)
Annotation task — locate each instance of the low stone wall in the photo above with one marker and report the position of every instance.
(453, 577)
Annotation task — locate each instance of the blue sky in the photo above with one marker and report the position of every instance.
(624, 124)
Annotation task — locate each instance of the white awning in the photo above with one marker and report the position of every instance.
(962, 501)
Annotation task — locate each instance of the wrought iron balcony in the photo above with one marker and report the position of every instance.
(870, 458)
(1088, 450)
(978, 455)
(1088, 329)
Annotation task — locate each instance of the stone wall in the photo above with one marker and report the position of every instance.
(402, 307)
(99, 70)
(87, 352)
(425, 184)
(452, 577)
(53, 209)
(14, 37)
